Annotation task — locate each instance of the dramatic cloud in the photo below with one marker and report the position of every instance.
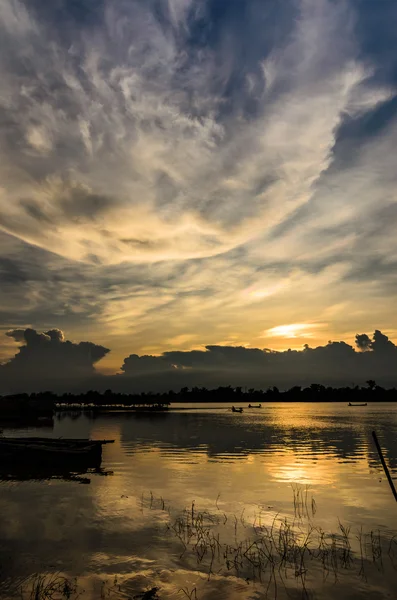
(337, 363)
(130, 142)
(181, 173)
(47, 358)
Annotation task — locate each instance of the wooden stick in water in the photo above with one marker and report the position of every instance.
(382, 460)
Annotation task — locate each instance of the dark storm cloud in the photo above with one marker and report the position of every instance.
(336, 363)
(46, 358)
(137, 365)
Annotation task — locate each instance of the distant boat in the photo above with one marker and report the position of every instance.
(363, 404)
(239, 410)
(254, 406)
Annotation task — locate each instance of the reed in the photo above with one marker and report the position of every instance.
(190, 594)
(285, 549)
(51, 586)
(275, 553)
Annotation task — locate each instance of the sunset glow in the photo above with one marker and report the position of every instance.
(292, 331)
(198, 284)
(175, 176)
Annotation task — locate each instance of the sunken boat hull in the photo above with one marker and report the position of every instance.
(73, 454)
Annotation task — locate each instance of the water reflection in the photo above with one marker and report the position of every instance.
(42, 423)
(42, 473)
(239, 469)
(223, 434)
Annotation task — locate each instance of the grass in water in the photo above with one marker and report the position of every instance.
(274, 554)
(49, 587)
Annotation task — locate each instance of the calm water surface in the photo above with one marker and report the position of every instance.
(122, 533)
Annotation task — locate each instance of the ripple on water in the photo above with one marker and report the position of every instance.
(244, 468)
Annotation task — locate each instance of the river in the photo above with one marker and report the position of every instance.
(286, 501)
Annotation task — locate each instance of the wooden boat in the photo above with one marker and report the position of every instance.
(239, 410)
(254, 405)
(363, 404)
(57, 441)
(50, 451)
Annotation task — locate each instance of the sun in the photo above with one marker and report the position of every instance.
(291, 331)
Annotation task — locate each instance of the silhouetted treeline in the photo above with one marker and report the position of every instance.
(90, 398)
(314, 393)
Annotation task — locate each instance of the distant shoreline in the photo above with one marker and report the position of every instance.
(44, 404)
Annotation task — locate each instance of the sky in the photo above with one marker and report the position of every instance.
(177, 175)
